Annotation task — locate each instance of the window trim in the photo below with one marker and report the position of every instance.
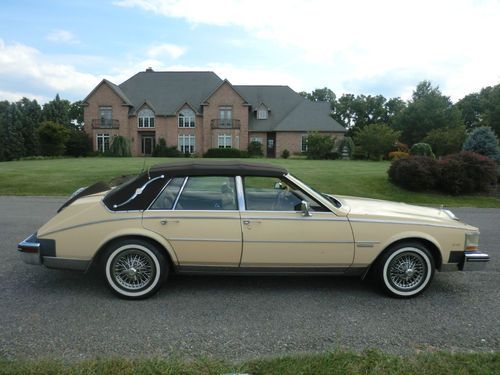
(302, 143)
(181, 190)
(103, 136)
(191, 119)
(224, 140)
(142, 119)
(189, 137)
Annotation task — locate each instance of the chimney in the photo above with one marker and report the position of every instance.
(149, 69)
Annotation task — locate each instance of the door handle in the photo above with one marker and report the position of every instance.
(165, 221)
(248, 222)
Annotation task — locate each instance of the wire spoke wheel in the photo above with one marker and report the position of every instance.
(407, 271)
(133, 269)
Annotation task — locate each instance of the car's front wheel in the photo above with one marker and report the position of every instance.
(134, 269)
(405, 270)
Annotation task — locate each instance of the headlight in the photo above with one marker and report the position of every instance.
(472, 241)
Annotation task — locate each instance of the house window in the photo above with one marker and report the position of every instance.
(146, 118)
(224, 141)
(225, 117)
(102, 141)
(303, 146)
(106, 116)
(262, 114)
(186, 143)
(256, 139)
(186, 118)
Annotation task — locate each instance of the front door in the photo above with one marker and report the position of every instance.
(276, 234)
(271, 145)
(148, 144)
(199, 217)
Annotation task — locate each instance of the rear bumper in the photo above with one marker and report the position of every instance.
(474, 261)
(30, 250)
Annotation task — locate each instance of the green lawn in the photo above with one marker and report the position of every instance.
(358, 178)
(337, 362)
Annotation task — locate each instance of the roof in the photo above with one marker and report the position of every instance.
(167, 90)
(219, 168)
(115, 88)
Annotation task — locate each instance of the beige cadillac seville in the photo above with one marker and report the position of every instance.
(247, 218)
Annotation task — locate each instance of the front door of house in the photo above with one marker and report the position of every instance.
(271, 145)
(148, 144)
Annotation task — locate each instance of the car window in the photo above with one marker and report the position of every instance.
(166, 199)
(208, 193)
(274, 194)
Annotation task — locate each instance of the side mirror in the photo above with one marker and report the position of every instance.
(304, 207)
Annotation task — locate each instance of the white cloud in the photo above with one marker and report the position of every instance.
(32, 71)
(171, 50)
(13, 96)
(451, 41)
(62, 36)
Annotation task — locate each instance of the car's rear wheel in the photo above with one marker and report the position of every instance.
(405, 270)
(134, 269)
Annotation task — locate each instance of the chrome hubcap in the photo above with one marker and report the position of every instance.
(407, 270)
(133, 269)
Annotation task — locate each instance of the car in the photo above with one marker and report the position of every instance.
(241, 218)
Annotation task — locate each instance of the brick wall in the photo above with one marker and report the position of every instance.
(292, 141)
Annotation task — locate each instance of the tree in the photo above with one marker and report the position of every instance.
(75, 114)
(446, 141)
(319, 95)
(376, 140)
(319, 145)
(78, 143)
(57, 111)
(52, 137)
(11, 135)
(255, 149)
(120, 146)
(471, 109)
(427, 110)
(30, 118)
(483, 141)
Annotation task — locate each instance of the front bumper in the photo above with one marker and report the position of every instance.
(30, 250)
(474, 261)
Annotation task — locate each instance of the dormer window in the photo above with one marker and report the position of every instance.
(262, 112)
(186, 118)
(146, 118)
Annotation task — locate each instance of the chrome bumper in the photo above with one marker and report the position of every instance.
(474, 261)
(30, 250)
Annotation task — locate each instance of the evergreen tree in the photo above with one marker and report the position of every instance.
(11, 134)
(31, 113)
(57, 111)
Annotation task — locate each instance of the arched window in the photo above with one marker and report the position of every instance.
(186, 118)
(146, 118)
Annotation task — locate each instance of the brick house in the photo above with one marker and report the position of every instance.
(195, 111)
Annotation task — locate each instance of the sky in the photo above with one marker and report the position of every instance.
(357, 46)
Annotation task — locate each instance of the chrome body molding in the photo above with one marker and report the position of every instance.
(157, 195)
(240, 194)
(311, 242)
(366, 243)
(180, 193)
(314, 217)
(203, 239)
(178, 217)
(138, 191)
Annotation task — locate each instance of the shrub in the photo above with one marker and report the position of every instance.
(348, 144)
(447, 140)
(359, 153)
(414, 173)
(120, 147)
(161, 150)
(483, 141)
(393, 155)
(78, 143)
(319, 146)
(422, 149)
(466, 172)
(52, 138)
(376, 140)
(225, 153)
(255, 149)
(285, 154)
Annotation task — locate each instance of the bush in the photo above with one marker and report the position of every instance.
(348, 144)
(483, 141)
(359, 153)
(225, 153)
(52, 138)
(120, 147)
(285, 154)
(447, 140)
(465, 173)
(161, 150)
(78, 143)
(414, 173)
(376, 140)
(255, 149)
(393, 155)
(319, 146)
(422, 149)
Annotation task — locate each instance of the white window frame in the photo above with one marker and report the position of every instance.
(303, 143)
(224, 141)
(225, 116)
(257, 139)
(186, 119)
(102, 142)
(146, 119)
(262, 114)
(186, 143)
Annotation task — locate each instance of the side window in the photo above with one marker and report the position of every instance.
(273, 194)
(208, 193)
(166, 199)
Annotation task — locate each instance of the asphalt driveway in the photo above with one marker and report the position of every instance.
(63, 314)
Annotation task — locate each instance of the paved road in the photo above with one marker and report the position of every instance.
(72, 315)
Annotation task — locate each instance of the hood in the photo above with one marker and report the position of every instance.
(387, 210)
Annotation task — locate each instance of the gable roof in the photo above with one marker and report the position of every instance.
(115, 88)
(166, 90)
(205, 102)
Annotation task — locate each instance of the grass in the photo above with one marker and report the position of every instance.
(337, 362)
(358, 178)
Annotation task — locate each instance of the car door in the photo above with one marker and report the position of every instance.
(199, 217)
(277, 234)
